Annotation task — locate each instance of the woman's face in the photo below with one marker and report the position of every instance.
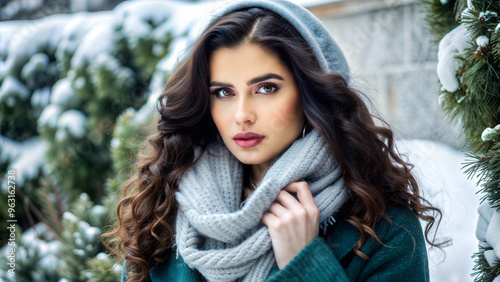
(255, 103)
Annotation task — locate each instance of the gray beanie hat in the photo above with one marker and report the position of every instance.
(327, 52)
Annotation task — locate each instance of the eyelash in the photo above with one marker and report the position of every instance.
(216, 91)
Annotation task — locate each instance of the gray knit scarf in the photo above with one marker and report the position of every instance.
(227, 243)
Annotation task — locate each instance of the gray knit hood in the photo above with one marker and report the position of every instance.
(327, 52)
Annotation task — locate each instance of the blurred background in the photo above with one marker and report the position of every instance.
(78, 83)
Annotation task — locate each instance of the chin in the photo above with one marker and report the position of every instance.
(249, 158)
(249, 161)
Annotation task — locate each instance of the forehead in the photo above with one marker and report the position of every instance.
(244, 61)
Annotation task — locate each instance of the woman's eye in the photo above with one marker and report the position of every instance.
(266, 89)
(222, 93)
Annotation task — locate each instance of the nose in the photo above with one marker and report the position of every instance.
(245, 112)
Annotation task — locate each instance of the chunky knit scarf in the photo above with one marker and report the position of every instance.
(226, 242)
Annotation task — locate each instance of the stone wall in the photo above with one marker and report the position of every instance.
(393, 60)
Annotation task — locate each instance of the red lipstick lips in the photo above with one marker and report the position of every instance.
(248, 139)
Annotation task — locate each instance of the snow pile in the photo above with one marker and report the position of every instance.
(482, 41)
(49, 117)
(40, 97)
(443, 183)
(26, 157)
(451, 48)
(100, 39)
(72, 122)
(50, 61)
(34, 37)
(11, 87)
(62, 92)
(37, 244)
(84, 235)
(487, 230)
(14, 7)
(37, 62)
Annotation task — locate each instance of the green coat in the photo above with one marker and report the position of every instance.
(403, 256)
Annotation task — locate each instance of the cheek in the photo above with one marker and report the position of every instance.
(218, 115)
(287, 114)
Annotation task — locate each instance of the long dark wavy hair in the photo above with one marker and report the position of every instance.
(373, 170)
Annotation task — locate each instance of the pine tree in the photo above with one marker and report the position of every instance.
(80, 81)
(469, 71)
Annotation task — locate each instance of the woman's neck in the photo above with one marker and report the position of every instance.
(259, 170)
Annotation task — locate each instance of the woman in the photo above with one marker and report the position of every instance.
(268, 166)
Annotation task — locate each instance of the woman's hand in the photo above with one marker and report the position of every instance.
(292, 222)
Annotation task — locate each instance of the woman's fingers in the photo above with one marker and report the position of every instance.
(278, 210)
(287, 200)
(304, 198)
(293, 222)
(303, 192)
(269, 219)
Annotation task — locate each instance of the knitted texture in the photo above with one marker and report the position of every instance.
(328, 54)
(226, 243)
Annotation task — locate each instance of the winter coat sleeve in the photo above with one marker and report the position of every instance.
(401, 257)
(175, 270)
(316, 262)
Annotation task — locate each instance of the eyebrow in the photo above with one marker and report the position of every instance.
(252, 81)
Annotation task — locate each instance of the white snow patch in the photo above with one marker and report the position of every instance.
(482, 41)
(487, 230)
(100, 40)
(34, 240)
(452, 46)
(79, 252)
(14, 7)
(32, 39)
(89, 233)
(71, 217)
(115, 142)
(124, 75)
(179, 24)
(157, 49)
(490, 133)
(62, 92)
(49, 116)
(9, 29)
(11, 87)
(486, 16)
(40, 97)
(470, 4)
(467, 13)
(73, 121)
(102, 256)
(177, 53)
(27, 157)
(38, 62)
(438, 170)
(442, 98)
(135, 29)
(118, 268)
(98, 210)
(84, 197)
(143, 115)
(76, 29)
